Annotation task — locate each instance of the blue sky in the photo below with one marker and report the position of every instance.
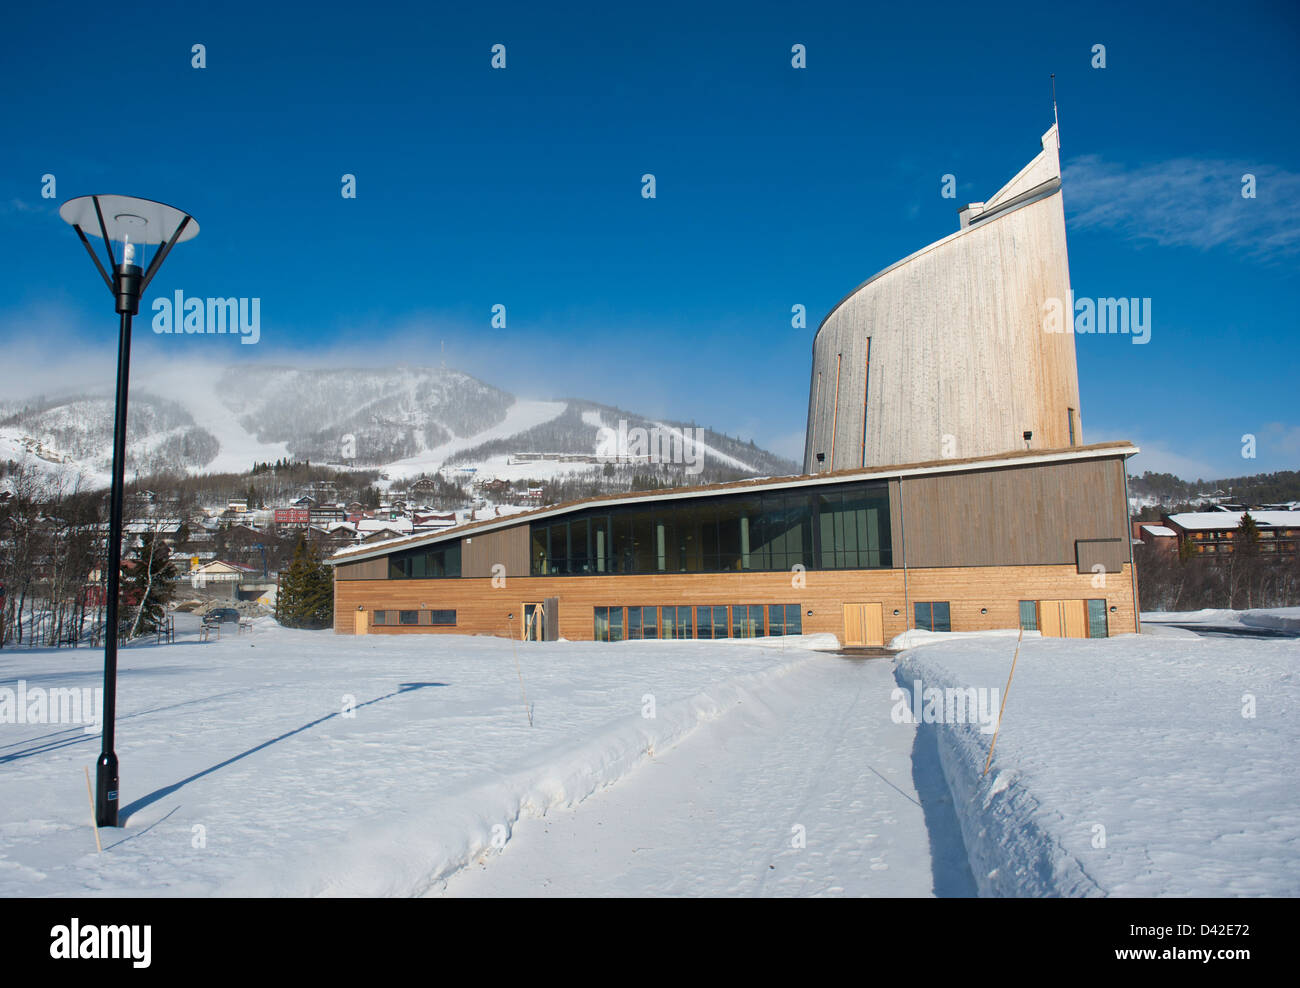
(775, 186)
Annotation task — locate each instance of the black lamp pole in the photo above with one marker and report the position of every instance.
(126, 288)
(127, 285)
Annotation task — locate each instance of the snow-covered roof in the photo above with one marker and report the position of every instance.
(380, 524)
(1159, 530)
(1194, 520)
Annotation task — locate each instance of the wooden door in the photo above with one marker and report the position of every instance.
(1051, 621)
(1063, 618)
(362, 625)
(864, 624)
(1076, 618)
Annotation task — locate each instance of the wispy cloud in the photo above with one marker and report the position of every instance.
(1281, 438)
(1188, 202)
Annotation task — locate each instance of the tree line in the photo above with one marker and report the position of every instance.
(1245, 578)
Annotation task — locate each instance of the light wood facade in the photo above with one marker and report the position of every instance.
(980, 598)
(978, 537)
(946, 352)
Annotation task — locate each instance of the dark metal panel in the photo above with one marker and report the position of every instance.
(506, 546)
(1109, 554)
(1014, 516)
(368, 569)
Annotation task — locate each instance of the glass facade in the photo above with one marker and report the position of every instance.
(933, 615)
(609, 624)
(432, 563)
(1029, 615)
(704, 621)
(1097, 619)
(784, 619)
(845, 527)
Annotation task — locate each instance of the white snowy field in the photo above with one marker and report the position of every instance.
(1273, 618)
(1130, 766)
(240, 773)
(1160, 764)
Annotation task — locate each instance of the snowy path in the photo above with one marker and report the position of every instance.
(715, 814)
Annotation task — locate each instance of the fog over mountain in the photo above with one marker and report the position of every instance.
(402, 419)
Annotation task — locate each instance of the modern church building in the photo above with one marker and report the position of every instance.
(946, 487)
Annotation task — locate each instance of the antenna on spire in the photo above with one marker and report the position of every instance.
(1055, 119)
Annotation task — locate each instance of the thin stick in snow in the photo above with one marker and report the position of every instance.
(93, 822)
(518, 671)
(1003, 705)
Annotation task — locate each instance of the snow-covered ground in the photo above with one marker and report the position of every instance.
(241, 773)
(807, 788)
(1274, 618)
(1132, 766)
(302, 763)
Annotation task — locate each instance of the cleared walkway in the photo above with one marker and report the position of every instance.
(813, 755)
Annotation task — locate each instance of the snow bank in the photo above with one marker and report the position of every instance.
(416, 851)
(1132, 766)
(283, 762)
(915, 637)
(1277, 618)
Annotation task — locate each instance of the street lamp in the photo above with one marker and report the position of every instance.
(138, 225)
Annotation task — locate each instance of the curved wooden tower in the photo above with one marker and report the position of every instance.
(945, 354)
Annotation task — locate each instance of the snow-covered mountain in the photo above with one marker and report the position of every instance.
(401, 420)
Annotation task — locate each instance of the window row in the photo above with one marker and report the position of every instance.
(426, 618)
(425, 563)
(614, 624)
(843, 528)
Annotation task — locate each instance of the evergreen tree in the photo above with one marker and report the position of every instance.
(306, 595)
(150, 585)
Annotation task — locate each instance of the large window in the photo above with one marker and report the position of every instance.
(1097, 619)
(933, 615)
(425, 563)
(609, 624)
(711, 622)
(676, 622)
(643, 622)
(842, 527)
(1029, 615)
(784, 619)
(746, 620)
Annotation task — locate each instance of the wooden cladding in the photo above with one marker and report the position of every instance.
(367, 569)
(980, 598)
(506, 546)
(1013, 516)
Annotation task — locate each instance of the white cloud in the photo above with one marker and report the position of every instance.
(1158, 457)
(1188, 202)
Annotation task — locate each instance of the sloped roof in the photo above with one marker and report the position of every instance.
(1013, 459)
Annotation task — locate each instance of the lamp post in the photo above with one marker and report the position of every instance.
(137, 224)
